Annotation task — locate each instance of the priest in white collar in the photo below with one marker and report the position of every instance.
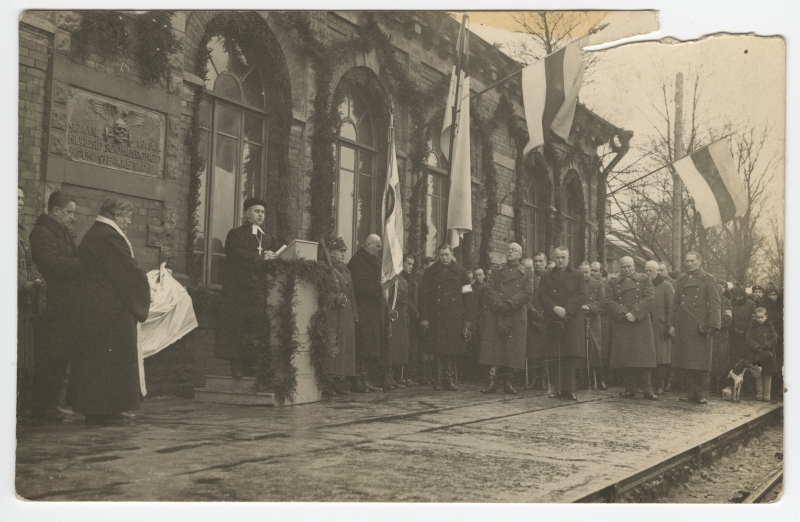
(244, 246)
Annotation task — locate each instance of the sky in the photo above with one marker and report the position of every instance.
(742, 79)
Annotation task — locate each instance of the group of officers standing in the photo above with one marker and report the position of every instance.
(649, 329)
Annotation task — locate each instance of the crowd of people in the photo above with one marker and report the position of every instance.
(563, 327)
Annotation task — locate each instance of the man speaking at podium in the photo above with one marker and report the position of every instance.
(244, 246)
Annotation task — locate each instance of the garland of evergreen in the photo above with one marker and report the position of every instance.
(103, 32)
(155, 43)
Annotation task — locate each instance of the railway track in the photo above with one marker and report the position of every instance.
(763, 492)
(696, 455)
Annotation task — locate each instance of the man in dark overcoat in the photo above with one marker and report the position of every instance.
(694, 320)
(506, 295)
(417, 358)
(663, 293)
(244, 246)
(55, 253)
(446, 313)
(472, 367)
(365, 268)
(536, 336)
(562, 296)
(600, 275)
(113, 296)
(629, 301)
(30, 290)
(593, 311)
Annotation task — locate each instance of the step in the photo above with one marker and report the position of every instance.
(225, 397)
(226, 383)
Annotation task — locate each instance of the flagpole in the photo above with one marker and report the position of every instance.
(677, 183)
(454, 121)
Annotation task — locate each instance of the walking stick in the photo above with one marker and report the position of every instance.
(527, 382)
(588, 357)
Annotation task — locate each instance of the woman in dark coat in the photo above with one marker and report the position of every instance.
(343, 318)
(244, 245)
(113, 296)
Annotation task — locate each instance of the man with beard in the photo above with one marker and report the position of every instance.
(446, 314)
(562, 296)
(694, 320)
(365, 268)
(509, 289)
(662, 300)
(630, 299)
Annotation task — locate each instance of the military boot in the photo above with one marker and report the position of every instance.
(492, 381)
(448, 384)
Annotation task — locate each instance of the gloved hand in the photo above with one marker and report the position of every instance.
(668, 332)
(341, 300)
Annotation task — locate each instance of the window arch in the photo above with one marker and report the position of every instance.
(234, 137)
(438, 193)
(360, 152)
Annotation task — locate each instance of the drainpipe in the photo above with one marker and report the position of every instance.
(602, 189)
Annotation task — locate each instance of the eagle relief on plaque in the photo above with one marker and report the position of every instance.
(113, 134)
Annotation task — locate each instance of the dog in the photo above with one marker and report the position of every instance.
(737, 375)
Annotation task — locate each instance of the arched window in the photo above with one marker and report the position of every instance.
(571, 224)
(234, 126)
(530, 221)
(438, 192)
(359, 189)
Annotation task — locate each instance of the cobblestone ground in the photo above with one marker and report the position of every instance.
(408, 445)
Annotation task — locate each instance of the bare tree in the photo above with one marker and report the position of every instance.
(774, 252)
(642, 211)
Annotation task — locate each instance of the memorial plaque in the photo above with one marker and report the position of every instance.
(113, 134)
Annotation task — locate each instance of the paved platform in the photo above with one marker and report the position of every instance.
(409, 445)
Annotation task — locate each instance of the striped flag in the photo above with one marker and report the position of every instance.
(550, 90)
(712, 180)
(393, 227)
(459, 203)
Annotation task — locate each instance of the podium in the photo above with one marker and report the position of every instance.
(224, 389)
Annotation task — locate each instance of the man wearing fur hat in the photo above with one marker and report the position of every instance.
(244, 246)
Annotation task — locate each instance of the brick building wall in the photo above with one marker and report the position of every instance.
(50, 69)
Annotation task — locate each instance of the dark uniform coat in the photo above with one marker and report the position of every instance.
(56, 255)
(721, 353)
(343, 321)
(536, 336)
(365, 270)
(695, 308)
(761, 342)
(605, 347)
(398, 340)
(446, 302)
(113, 296)
(596, 300)
(504, 334)
(565, 288)
(28, 303)
(743, 311)
(412, 281)
(663, 293)
(238, 291)
(631, 342)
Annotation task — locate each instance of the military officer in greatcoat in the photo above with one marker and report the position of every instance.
(694, 320)
(663, 293)
(446, 312)
(562, 296)
(593, 310)
(343, 317)
(629, 300)
(506, 295)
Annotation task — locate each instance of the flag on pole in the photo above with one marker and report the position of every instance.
(712, 180)
(459, 204)
(550, 90)
(393, 227)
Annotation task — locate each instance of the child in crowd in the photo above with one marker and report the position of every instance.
(761, 341)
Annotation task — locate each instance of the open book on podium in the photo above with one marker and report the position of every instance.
(227, 390)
